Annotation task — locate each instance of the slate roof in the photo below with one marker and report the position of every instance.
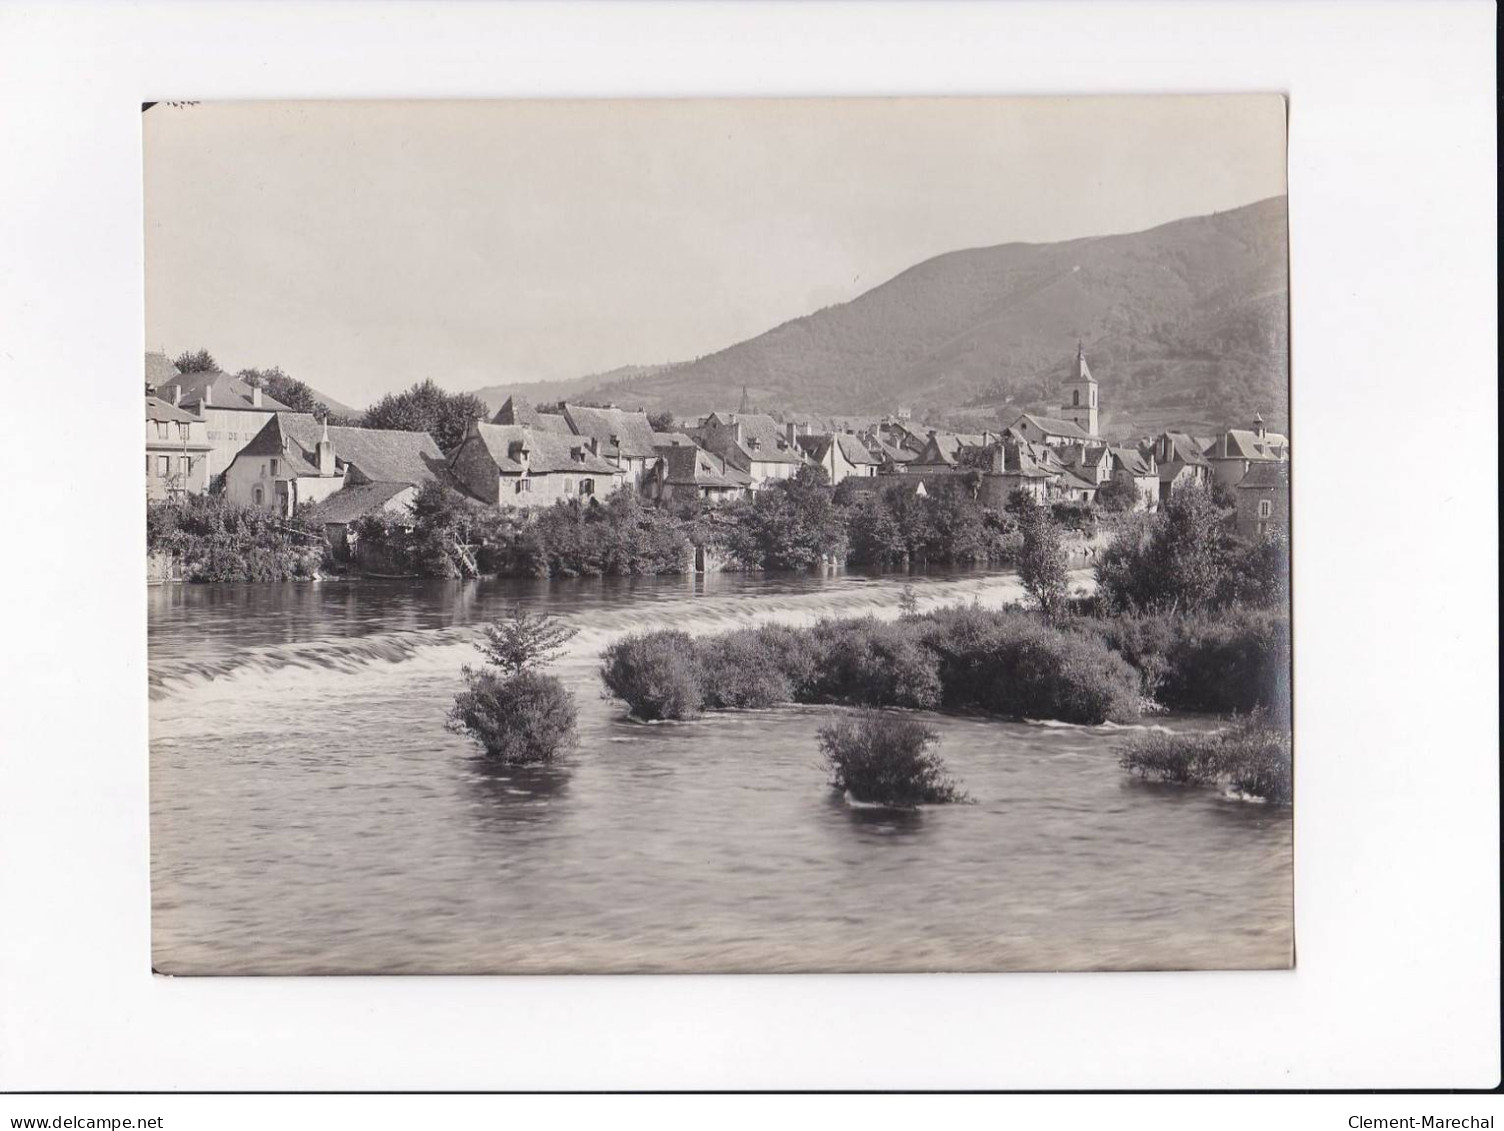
(158, 409)
(1186, 449)
(1266, 475)
(1131, 461)
(1053, 426)
(633, 434)
(355, 501)
(379, 455)
(225, 392)
(159, 369)
(1076, 483)
(672, 440)
(886, 450)
(1242, 444)
(547, 451)
(518, 410)
(762, 439)
(692, 466)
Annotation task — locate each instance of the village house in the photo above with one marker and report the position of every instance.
(891, 458)
(516, 410)
(622, 438)
(841, 455)
(688, 471)
(1181, 464)
(1263, 500)
(1138, 470)
(1051, 431)
(233, 412)
(517, 465)
(296, 460)
(753, 443)
(1234, 453)
(177, 452)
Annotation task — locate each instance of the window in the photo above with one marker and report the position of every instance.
(1075, 397)
(161, 429)
(256, 496)
(185, 466)
(164, 466)
(587, 486)
(524, 486)
(148, 465)
(1266, 508)
(568, 485)
(274, 467)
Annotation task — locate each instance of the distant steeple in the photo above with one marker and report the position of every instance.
(1080, 406)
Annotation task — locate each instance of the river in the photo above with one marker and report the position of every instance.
(309, 813)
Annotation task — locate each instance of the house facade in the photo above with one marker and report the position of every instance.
(1234, 453)
(516, 466)
(753, 443)
(1263, 500)
(177, 452)
(687, 471)
(233, 412)
(622, 438)
(841, 455)
(1181, 464)
(296, 460)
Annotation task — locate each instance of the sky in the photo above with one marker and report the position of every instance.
(363, 246)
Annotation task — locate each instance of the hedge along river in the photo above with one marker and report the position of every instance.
(311, 815)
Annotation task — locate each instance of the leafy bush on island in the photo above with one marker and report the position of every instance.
(1253, 757)
(874, 663)
(216, 540)
(885, 759)
(518, 714)
(658, 674)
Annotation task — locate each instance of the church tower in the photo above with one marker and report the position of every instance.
(1081, 395)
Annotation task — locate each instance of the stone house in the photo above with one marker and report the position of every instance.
(687, 471)
(620, 437)
(1051, 431)
(753, 443)
(1181, 464)
(296, 460)
(233, 412)
(1263, 500)
(1138, 470)
(517, 465)
(1234, 453)
(177, 452)
(841, 455)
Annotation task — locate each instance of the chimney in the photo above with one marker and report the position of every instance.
(255, 396)
(1258, 425)
(325, 452)
(177, 394)
(207, 397)
(790, 430)
(594, 445)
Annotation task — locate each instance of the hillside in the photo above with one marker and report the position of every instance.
(1183, 324)
(620, 379)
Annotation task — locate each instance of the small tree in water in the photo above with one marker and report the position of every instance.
(1042, 560)
(519, 714)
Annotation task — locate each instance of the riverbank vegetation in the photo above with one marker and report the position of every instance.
(212, 539)
(881, 758)
(516, 712)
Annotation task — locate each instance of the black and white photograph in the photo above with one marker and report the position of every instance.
(718, 536)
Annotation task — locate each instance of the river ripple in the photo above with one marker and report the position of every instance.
(311, 815)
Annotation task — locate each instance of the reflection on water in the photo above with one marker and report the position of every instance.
(310, 813)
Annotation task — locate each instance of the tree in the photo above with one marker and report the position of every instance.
(1118, 496)
(1042, 560)
(289, 390)
(427, 408)
(523, 641)
(661, 421)
(196, 361)
(519, 714)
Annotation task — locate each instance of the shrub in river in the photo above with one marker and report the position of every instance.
(1011, 663)
(519, 714)
(519, 719)
(873, 663)
(1253, 757)
(657, 674)
(884, 759)
(745, 668)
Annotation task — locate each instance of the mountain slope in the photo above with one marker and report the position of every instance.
(1183, 324)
